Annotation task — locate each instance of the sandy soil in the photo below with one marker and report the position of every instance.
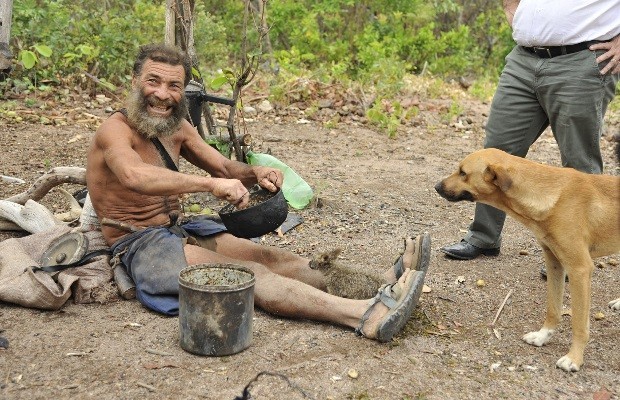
(372, 192)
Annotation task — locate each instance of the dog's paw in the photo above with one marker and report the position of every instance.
(567, 364)
(615, 304)
(538, 338)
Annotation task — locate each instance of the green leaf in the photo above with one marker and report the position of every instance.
(218, 82)
(195, 73)
(107, 84)
(85, 49)
(28, 58)
(44, 50)
(228, 73)
(222, 146)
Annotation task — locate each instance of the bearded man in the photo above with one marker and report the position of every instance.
(130, 181)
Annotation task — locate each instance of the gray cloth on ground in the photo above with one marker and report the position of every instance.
(91, 282)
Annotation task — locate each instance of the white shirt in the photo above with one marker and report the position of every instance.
(564, 22)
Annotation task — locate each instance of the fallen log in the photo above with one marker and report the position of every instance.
(12, 212)
(48, 181)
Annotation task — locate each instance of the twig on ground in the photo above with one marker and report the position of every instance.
(501, 307)
(158, 352)
(146, 386)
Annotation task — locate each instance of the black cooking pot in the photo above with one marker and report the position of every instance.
(267, 211)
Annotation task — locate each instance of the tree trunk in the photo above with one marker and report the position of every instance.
(170, 25)
(261, 12)
(6, 7)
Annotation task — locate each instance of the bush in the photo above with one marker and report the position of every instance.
(375, 42)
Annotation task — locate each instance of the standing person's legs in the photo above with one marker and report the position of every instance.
(516, 120)
(576, 97)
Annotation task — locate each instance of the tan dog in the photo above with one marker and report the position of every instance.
(575, 216)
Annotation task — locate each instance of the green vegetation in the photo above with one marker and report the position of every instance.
(368, 44)
(373, 41)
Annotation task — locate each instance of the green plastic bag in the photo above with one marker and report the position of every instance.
(296, 191)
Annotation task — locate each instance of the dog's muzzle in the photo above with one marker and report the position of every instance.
(451, 196)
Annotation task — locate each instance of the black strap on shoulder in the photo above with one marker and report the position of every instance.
(164, 155)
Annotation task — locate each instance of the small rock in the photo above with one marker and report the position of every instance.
(264, 106)
(524, 252)
(249, 111)
(102, 99)
(325, 103)
(599, 316)
(4, 343)
(480, 283)
(353, 374)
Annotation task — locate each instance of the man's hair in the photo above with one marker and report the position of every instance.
(165, 54)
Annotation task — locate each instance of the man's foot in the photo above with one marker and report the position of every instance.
(391, 308)
(415, 256)
(467, 251)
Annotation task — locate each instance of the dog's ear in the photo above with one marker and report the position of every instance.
(499, 176)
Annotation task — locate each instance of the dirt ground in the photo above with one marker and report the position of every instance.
(373, 191)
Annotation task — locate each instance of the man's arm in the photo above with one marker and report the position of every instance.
(114, 140)
(510, 7)
(200, 154)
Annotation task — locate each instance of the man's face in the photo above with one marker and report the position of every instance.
(156, 106)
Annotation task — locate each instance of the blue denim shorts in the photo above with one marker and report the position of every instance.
(154, 257)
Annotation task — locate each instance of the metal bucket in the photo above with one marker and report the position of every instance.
(216, 308)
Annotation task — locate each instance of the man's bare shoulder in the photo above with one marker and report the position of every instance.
(188, 130)
(114, 129)
(114, 122)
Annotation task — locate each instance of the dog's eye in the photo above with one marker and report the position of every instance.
(462, 173)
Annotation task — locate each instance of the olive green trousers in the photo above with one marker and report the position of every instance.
(567, 93)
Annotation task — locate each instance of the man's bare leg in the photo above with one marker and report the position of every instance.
(279, 261)
(293, 266)
(280, 295)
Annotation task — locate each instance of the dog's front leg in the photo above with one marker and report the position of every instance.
(580, 278)
(555, 292)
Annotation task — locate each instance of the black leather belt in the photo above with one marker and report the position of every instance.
(554, 51)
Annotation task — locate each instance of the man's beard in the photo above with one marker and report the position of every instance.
(150, 126)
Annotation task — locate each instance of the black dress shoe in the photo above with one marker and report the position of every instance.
(467, 251)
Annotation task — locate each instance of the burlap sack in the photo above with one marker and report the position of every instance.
(88, 283)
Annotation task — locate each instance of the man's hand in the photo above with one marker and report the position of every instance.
(231, 190)
(269, 178)
(612, 54)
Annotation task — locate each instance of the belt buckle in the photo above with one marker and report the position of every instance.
(536, 49)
